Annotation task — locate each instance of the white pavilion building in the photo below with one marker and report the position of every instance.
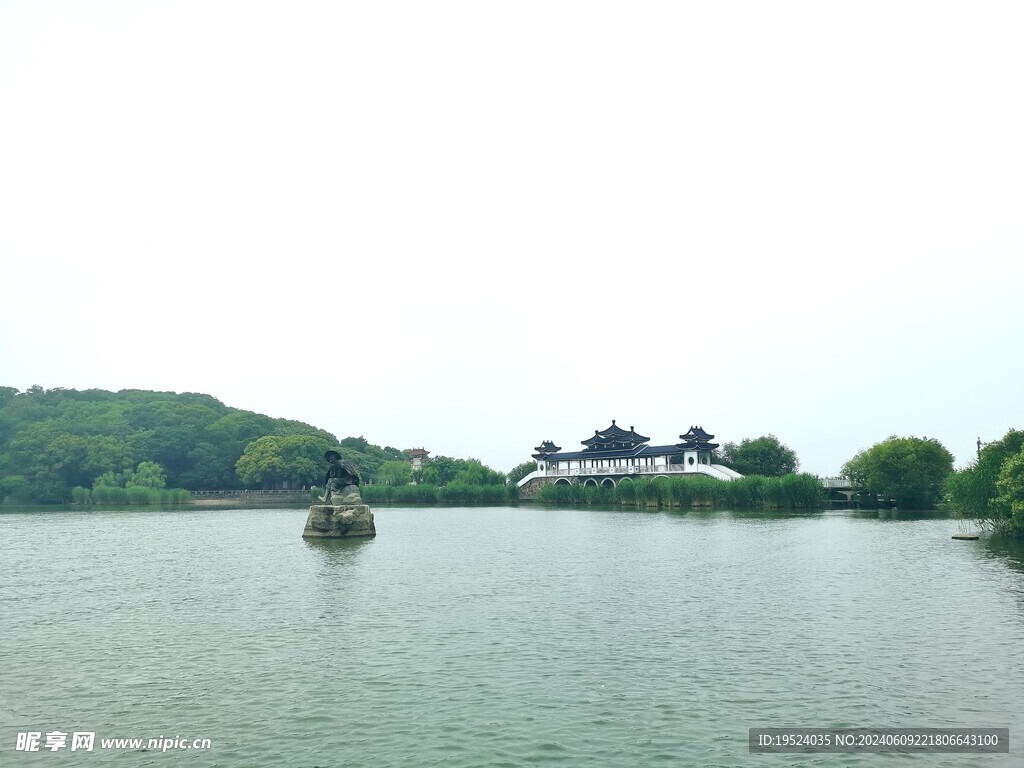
(615, 454)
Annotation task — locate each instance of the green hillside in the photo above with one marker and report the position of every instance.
(54, 440)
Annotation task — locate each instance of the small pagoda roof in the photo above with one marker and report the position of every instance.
(697, 433)
(697, 445)
(414, 453)
(545, 449)
(697, 440)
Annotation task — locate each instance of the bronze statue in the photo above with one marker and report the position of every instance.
(342, 479)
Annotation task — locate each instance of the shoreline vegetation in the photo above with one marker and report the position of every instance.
(453, 493)
(133, 494)
(792, 491)
(138, 447)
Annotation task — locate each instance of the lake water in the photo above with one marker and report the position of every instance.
(501, 636)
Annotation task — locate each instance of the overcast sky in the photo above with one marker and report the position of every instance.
(473, 226)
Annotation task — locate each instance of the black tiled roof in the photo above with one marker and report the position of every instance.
(697, 440)
(639, 451)
(697, 445)
(618, 443)
(614, 434)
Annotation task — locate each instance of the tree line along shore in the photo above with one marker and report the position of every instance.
(142, 447)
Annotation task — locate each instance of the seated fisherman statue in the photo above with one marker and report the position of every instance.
(342, 480)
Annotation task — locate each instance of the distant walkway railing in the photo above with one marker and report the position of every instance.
(237, 494)
(829, 483)
(632, 469)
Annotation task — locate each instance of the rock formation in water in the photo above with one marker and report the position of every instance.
(328, 521)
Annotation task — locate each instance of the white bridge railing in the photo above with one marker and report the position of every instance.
(662, 469)
(658, 469)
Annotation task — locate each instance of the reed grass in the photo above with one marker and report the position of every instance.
(794, 491)
(135, 494)
(453, 493)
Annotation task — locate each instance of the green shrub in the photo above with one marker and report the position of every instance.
(17, 487)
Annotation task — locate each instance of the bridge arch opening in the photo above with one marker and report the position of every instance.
(608, 483)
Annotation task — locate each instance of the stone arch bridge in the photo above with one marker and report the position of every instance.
(837, 489)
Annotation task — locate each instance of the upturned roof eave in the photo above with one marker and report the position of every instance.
(618, 453)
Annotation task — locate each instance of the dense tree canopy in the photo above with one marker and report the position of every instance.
(438, 471)
(981, 491)
(54, 440)
(394, 472)
(367, 456)
(759, 456)
(1010, 501)
(905, 471)
(443, 470)
(280, 462)
(520, 471)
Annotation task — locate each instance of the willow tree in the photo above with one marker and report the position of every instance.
(905, 471)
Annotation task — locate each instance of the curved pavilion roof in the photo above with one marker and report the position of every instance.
(697, 440)
(614, 442)
(545, 449)
(614, 437)
(638, 451)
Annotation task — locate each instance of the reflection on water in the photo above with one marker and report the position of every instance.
(1008, 551)
(899, 514)
(338, 550)
(504, 636)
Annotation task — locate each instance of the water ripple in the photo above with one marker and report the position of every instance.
(502, 637)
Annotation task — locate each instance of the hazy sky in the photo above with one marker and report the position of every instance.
(472, 226)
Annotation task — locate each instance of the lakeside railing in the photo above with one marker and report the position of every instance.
(234, 494)
(661, 469)
(658, 469)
